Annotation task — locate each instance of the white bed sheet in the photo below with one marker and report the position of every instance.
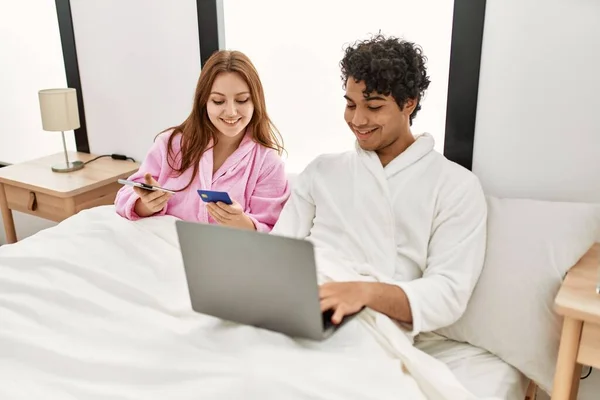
(483, 373)
(97, 307)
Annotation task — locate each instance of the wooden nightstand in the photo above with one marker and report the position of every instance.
(33, 188)
(579, 304)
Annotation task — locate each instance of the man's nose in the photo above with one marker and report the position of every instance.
(359, 118)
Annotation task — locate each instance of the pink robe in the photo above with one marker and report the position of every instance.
(253, 175)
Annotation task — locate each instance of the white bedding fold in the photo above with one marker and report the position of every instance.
(97, 307)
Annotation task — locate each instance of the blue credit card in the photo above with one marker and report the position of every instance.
(210, 196)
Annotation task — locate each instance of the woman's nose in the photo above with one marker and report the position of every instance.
(230, 109)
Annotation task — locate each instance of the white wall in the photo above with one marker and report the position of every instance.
(538, 120)
(297, 55)
(538, 115)
(139, 62)
(31, 56)
(32, 59)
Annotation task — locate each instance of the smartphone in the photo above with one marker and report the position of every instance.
(210, 196)
(144, 186)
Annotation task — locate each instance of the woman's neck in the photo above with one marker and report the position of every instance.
(225, 146)
(226, 143)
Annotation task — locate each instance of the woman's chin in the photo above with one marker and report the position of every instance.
(231, 132)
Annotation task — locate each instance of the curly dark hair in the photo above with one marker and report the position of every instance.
(388, 66)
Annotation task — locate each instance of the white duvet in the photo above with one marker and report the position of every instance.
(98, 308)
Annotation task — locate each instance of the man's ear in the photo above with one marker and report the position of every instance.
(410, 106)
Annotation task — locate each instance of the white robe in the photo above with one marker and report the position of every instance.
(419, 223)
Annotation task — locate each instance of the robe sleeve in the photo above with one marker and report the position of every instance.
(153, 163)
(296, 218)
(455, 259)
(270, 195)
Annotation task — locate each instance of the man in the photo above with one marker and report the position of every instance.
(406, 224)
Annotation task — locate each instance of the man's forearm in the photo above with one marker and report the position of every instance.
(389, 300)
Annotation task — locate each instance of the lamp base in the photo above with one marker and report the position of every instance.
(70, 167)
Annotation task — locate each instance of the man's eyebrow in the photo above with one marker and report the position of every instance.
(368, 98)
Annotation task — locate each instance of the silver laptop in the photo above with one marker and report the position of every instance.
(254, 279)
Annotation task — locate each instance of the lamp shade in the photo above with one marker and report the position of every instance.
(59, 110)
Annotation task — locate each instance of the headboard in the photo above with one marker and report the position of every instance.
(538, 117)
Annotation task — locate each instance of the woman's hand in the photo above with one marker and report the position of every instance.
(150, 202)
(230, 215)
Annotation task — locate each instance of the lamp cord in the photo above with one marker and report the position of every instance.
(113, 156)
(588, 374)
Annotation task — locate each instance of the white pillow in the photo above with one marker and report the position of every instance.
(531, 245)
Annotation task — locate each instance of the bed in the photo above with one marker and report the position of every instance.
(480, 371)
(97, 307)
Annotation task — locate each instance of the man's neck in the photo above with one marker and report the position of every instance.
(388, 153)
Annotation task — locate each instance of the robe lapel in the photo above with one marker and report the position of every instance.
(246, 145)
(384, 177)
(371, 162)
(206, 167)
(422, 146)
(384, 223)
(205, 175)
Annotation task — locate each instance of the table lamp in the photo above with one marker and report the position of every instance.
(60, 113)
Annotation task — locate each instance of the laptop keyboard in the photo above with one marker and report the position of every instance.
(327, 315)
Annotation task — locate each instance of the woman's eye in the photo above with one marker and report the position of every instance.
(243, 101)
(350, 106)
(218, 102)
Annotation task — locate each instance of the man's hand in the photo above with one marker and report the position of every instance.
(230, 215)
(345, 298)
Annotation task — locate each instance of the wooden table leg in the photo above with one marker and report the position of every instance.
(575, 383)
(7, 217)
(531, 391)
(566, 365)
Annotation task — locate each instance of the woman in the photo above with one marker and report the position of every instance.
(226, 144)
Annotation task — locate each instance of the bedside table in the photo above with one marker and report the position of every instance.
(33, 188)
(579, 304)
